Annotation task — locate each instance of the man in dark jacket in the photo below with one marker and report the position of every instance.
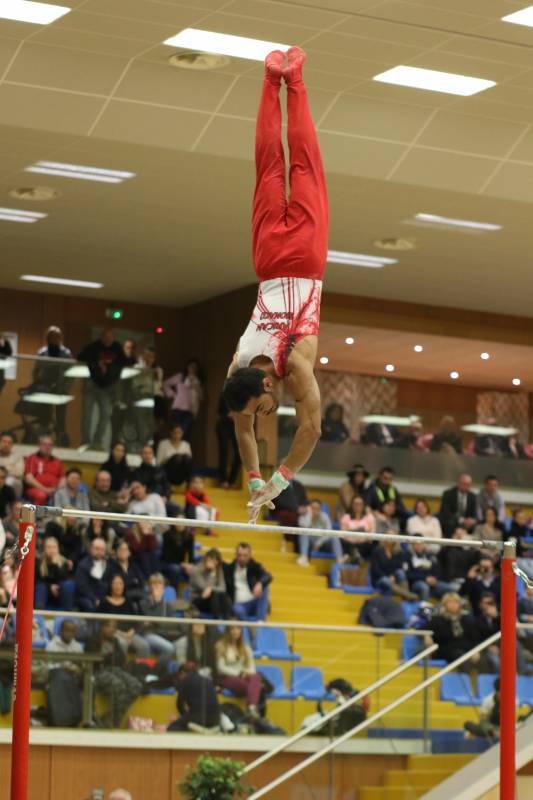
(105, 358)
(197, 700)
(381, 490)
(92, 576)
(247, 585)
(458, 507)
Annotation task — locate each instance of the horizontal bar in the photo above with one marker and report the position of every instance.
(248, 526)
(340, 709)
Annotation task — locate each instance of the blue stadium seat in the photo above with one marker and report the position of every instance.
(456, 688)
(485, 684)
(524, 690)
(169, 594)
(410, 646)
(308, 682)
(336, 583)
(274, 675)
(272, 643)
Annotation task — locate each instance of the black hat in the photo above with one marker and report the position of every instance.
(357, 468)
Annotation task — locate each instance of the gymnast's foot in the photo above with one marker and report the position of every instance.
(274, 66)
(293, 71)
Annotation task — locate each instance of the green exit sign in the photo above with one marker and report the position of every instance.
(114, 313)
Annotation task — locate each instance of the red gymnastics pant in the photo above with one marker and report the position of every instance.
(290, 238)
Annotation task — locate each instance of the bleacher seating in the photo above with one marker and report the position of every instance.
(308, 682)
(272, 643)
(274, 675)
(455, 687)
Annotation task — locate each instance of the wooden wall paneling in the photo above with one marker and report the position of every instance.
(39, 777)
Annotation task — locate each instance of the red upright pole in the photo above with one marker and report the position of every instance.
(20, 742)
(508, 675)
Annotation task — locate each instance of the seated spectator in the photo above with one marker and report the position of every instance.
(247, 583)
(208, 590)
(409, 439)
(52, 586)
(382, 490)
(175, 456)
(143, 503)
(386, 521)
(488, 723)
(142, 541)
(13, 462)
(491, 530)
(70, 534)
(481, 580)
(11, 524)
(388, 565)
(159, 636)
(484, 624)
(355, 486)
(451, 631)
(333, 427)
(290, 504)
(103, 498)
(112, 679)
(423, 523)
(315, 517)
(525, 615)
(423, 573)
(458, 507)
(122, 564)
(236, 668)
(116, 602)
(103, 529)
(44, 473)
(8, 586)
(117, 466)
(71, 495)
(198, 648)
(64, 680)
(359, 519)
(447, 439)
(177, 553)
(524, 549)
(92, 577)
(197, 503)
(455, 562)
(379, 435)
(151, 475)
(7, 494)
(196, 702)
(490, 497)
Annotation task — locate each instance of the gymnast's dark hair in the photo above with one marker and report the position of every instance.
(244, 384)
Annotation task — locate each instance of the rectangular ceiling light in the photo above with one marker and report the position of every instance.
(491, 430)
(61, 281)
(434, 81)
(450, 222)
(388, 419)
(17, 215)
(523, 17)
(225, 44)
(359, 259)
(80, 172)
(28, 11)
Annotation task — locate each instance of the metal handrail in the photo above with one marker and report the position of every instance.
(340, 709)
(348, 735)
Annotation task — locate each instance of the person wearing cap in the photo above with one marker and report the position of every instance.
(355, 486)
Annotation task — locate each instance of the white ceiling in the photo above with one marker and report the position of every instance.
(96, 88)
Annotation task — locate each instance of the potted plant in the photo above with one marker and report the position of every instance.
(215, 779)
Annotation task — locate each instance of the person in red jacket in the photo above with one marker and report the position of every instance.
(197, 503)
(43, 473)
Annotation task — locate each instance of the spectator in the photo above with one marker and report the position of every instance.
(117, 602)
(208, 590)
(488, 724)
(50, 377)
(423, 523)
(198, 648)
(485, 623)
(3, 540)
(123, 391)
(236, 668)
(355, 486)
(151, 475)
(71, 495)
(522, 533)
(490, 445)
(11, 524)
(451, 632)
(70, 533)
(186, 392)
(44, 473)
(388, 565)
(103, 498)
(358, 520)
(177, 553)
(379, 435)
(382, 489)
(92, 576)
(489, 496)
(423, 573)
(143, 503)
(455, 562)
(228, 465)
(8, 587)
(490, 529)
(458, 507)
(120, 794)
(64, 677)
(481, 579)
(105, 359)
(247, 583)
(315, 517)
(151, 379)
(5, 351)
(333, 427)
(447, 439)
(196, 702)
(197, 503)
(7, 494)
(117, 466)
(159, 636)
(514, 448)
(386, 521)
(409, 439)
(142, 542)
(13, 462)
(53, 588)
(175, 456)
(525, 615)
(112, 679)
(122, 564)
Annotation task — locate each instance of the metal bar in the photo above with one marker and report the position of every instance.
(248, 526)
(339, 709)
(508, 674)
(348, 735)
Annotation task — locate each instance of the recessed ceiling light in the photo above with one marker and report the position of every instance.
(227, 45)
(80, 172)
(389, 367)
(418, 348)
(61, 281)
(27, 11)
(324, 360)
(485, 356)
(349, 340)
(434, 81)
(516, 381)
(359, 259)
(450, 222)
(522, 17)
(454, 375)
(17, 215)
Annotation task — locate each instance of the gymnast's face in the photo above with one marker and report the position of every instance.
(267, 403)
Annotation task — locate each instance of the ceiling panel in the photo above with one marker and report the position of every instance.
(233, 138)
(363, 157)
(470, 134)
(426, 14)
(47, 109)
(82, 40)
(285, 13)
(358, 47)
(8, 48)
(392, 32)
(450, 170)
(514, 181)
(163, 127)
(243, 100)
(371, 118)
(151, 11)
